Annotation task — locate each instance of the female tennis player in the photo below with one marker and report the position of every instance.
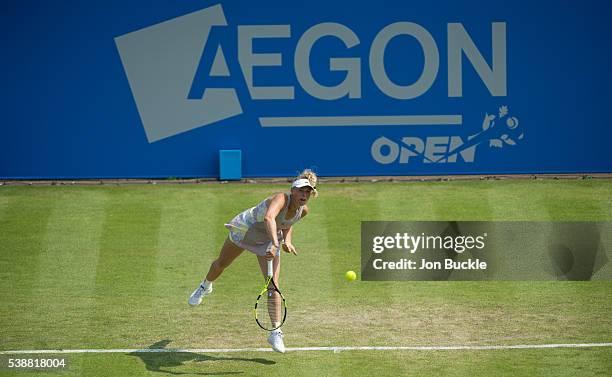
(262, 230)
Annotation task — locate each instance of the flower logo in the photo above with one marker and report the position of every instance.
(500, 136)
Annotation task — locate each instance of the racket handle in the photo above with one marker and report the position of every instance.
(270, 268)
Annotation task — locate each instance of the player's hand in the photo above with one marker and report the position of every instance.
(289, 248)
(271, 251)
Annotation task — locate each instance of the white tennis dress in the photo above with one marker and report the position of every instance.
(248, 229)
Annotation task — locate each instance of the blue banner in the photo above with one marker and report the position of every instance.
(156, 88)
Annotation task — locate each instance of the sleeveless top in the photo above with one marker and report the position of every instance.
(248, 229)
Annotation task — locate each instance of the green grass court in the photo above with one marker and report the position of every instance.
(111, 267)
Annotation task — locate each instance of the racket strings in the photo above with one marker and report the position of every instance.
(271, 309)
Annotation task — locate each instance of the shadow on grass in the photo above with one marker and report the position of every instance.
(155, 361)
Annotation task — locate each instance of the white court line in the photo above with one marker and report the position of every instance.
(334, 349)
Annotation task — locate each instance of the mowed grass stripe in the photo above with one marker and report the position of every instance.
(434, 201)
(187, 243)
(584, 197)
(603, 196)
(125, 273)
(4, 200)
(65, 285)
(23, 228)
(129, 242)
(309, 277)
(510, 201)
(347, 208)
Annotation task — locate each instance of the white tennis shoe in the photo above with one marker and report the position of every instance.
(276, 341)
(196, 297)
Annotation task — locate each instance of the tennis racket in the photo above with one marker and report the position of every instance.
(270, 307)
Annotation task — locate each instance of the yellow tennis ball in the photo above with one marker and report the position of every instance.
(350, 275)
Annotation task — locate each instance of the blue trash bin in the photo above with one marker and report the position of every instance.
(230, 164)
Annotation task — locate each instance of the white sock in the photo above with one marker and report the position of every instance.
(206, 284)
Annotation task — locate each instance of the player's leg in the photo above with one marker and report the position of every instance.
(229, 252)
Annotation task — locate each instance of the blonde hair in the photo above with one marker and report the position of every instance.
(311, 177)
